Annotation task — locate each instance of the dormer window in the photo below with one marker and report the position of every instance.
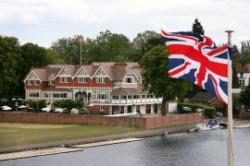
(100, 80)
(100, 76)
(128, 80)
(64, 79)
(33, 82)
(51, 82)
(82, 79)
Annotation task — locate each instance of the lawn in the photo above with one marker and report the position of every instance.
(12, 134)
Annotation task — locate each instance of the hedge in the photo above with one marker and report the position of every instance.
(207, 111)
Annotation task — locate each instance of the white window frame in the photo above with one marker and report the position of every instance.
(82, 79)
(32, 94)
(100, 80)
(64, 79)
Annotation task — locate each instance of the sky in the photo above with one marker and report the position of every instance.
(44, 21)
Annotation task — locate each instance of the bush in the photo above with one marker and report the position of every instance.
(190, 107)
(37, 105)
(186, 108)
(209, 112)
(68, 104)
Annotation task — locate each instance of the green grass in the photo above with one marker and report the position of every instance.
(12, 134)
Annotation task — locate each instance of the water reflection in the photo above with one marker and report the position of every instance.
(196, 149)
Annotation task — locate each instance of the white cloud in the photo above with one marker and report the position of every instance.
(43, 21)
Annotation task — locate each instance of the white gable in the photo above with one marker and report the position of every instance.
(100, 73)
(64, 72)
(82, 73)
(32, 76)
(51, 77)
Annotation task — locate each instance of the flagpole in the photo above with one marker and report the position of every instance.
(230, 117)
(230, 109)
(80, 42)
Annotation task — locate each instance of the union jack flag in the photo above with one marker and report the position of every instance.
(196, 58)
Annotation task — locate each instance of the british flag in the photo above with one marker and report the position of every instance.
(196, 58)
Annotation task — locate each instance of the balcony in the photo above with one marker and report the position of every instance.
(136, 101)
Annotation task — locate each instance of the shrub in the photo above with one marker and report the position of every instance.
(37, 105)
(206, 110)
(186, 108)
(209, 112)
(68, 104)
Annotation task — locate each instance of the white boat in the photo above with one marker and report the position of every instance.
(211, 124)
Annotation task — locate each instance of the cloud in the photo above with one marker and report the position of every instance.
(44, 21)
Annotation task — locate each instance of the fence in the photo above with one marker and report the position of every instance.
(142, 122)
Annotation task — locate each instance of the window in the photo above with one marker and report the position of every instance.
(115, 97)
(64, 79)
(56, 95)
(60, 95)
(63, 95)
(128, 80)
(136, 96)
(46, 95)
(101, 108)
(51, 82)
(124, 97)
(34, 94)
(242, 82)
(100, 80)
(33, 82)
(82, 79)
(101, 96)
(129, 97)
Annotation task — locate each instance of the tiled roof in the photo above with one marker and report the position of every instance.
(129, 91)
(243, 68)
(202, 97)
(114, 70)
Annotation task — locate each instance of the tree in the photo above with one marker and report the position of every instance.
(154, 64)
(245, 97)
(143, 42)
(9, 60)
(68, 49)
(113, 46)
(53, 56)
(31, 55)
(197, 27)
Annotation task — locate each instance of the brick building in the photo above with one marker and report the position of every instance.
(113, 88)
(243, 74)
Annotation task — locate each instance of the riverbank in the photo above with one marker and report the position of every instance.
(25, 151)
(237, 123)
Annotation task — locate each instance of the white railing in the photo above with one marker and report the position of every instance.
(136, 101)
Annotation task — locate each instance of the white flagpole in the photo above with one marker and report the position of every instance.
(230, 110)
(230, 117)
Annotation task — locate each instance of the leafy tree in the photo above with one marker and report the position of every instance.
(68, 49)
(53, 56)
(245, 46)
(154, 63)
(197, 27)
(9, 60)
(245, 97)
(113, 46)
(107, 46)
(31, 55)
(143, 42)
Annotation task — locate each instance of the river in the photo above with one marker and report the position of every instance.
(208, 148)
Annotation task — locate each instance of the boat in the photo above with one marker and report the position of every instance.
(211, 124)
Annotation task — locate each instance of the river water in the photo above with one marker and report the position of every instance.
(208, 148)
